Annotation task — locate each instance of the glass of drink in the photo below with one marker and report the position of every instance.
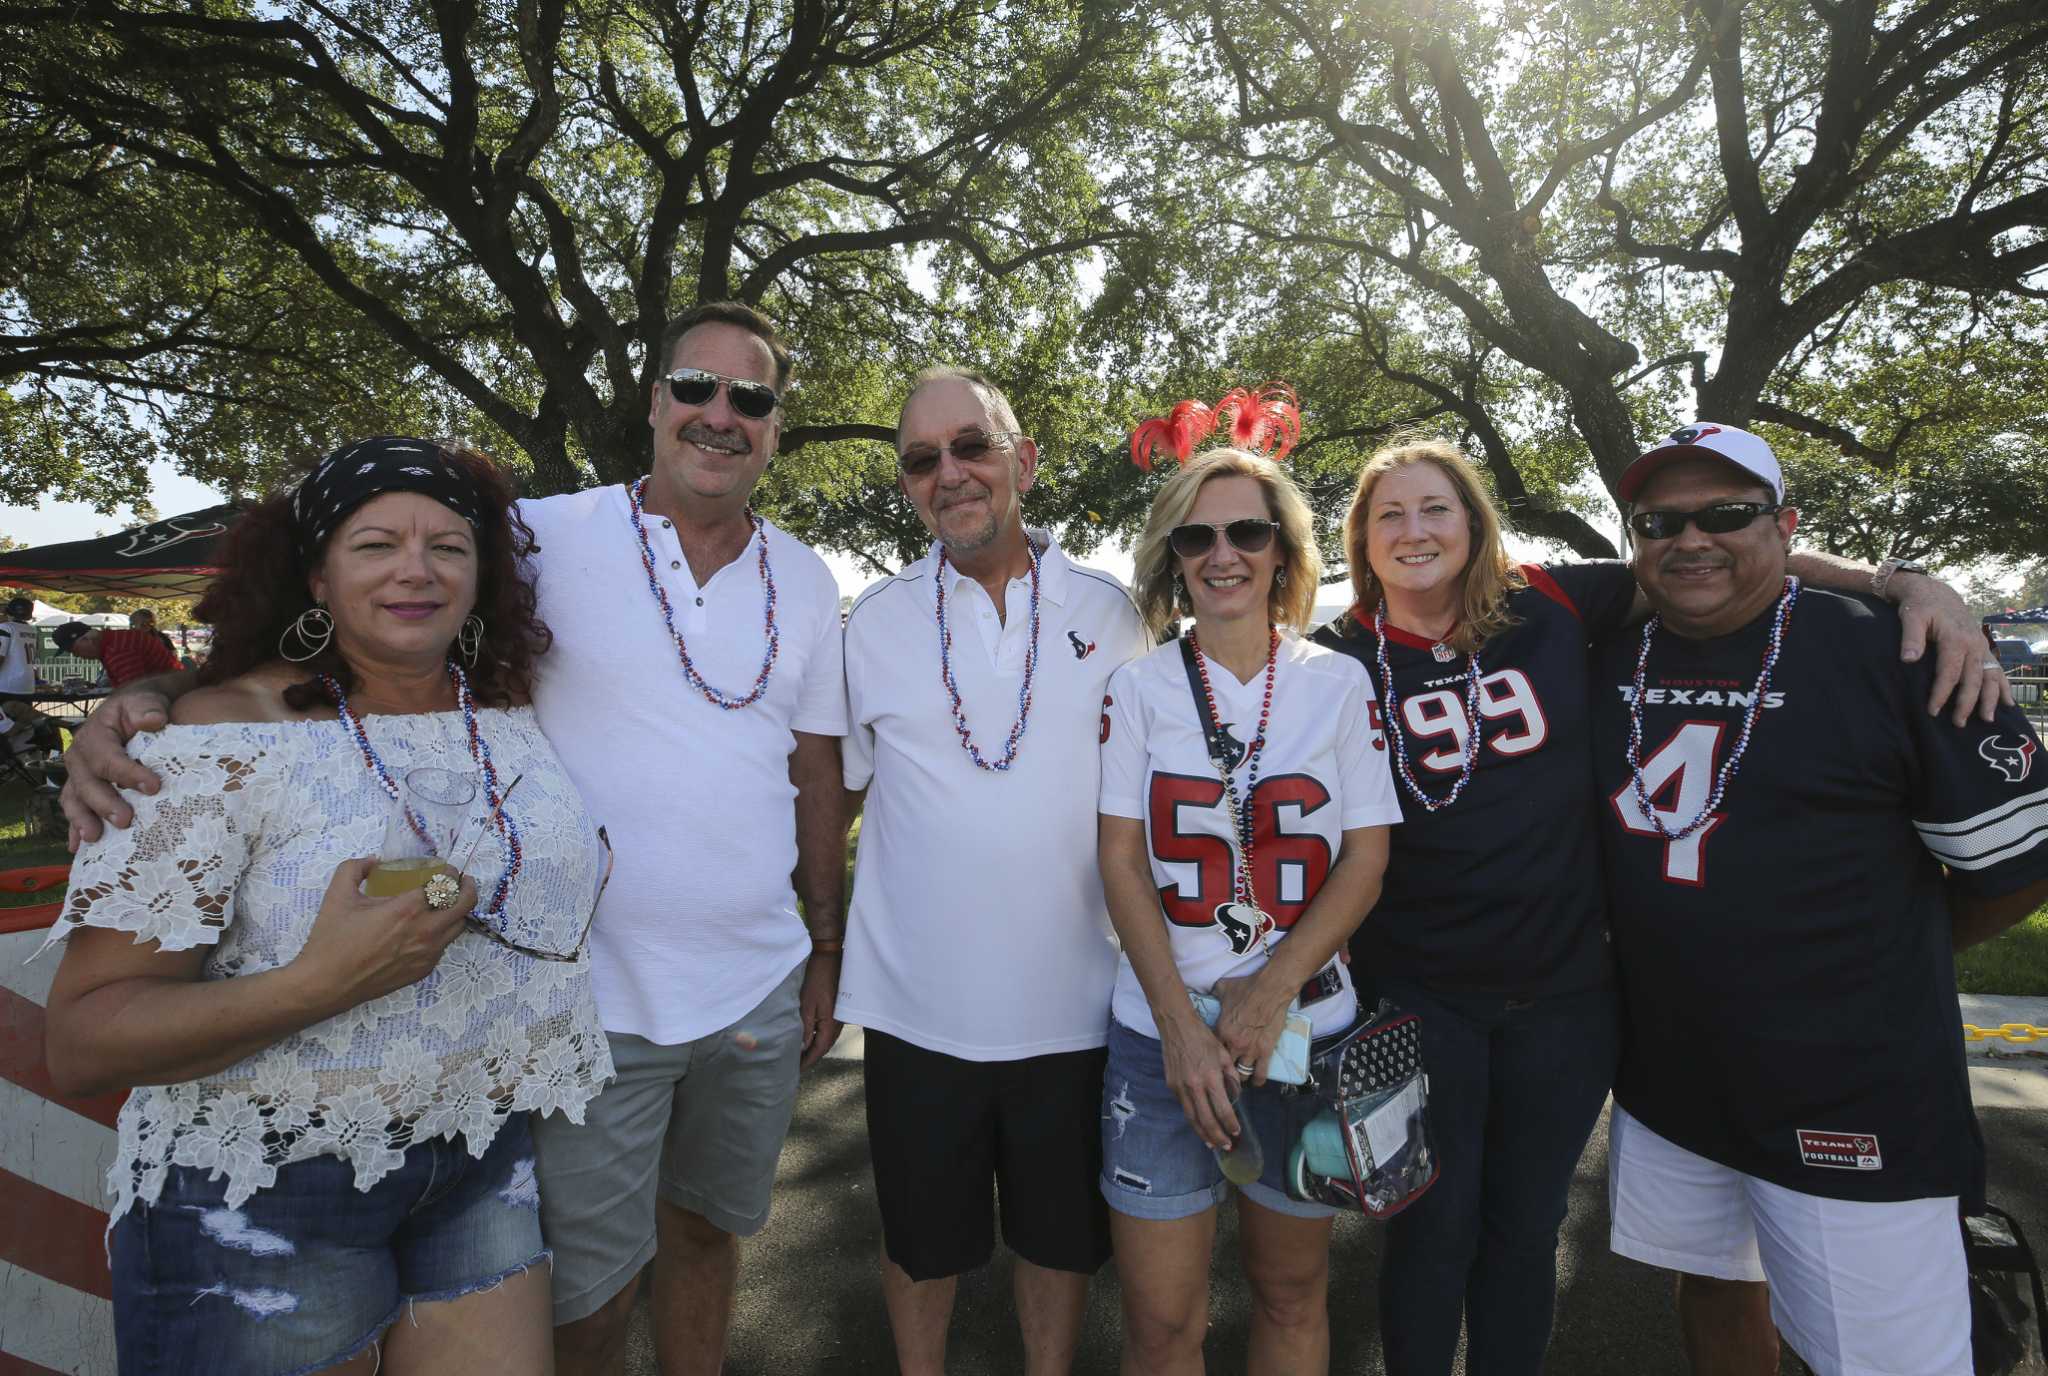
(432, 809)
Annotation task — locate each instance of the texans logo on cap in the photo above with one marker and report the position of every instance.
(1691, 433)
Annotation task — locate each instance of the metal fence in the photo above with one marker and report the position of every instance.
(2030, 690)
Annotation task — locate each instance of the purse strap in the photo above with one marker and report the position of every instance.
(1220, 752)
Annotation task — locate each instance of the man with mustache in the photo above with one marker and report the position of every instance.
(1795, 847)
(979, 954)
(695, 694)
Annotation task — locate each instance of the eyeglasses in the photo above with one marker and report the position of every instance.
(1722, 518)
(485, 930)
(696, 387)
(1246, 536)
(920, 459)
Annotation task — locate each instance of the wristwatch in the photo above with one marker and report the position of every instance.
(1881, 579)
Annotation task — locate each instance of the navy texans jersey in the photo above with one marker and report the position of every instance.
(1498, 893)
(1786, 969)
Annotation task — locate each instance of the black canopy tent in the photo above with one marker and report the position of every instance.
(168, 558)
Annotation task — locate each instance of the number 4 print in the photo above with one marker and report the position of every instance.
(1678, 777)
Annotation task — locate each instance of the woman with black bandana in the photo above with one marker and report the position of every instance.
(328, 1122)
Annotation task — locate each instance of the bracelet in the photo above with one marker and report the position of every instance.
(827, 946)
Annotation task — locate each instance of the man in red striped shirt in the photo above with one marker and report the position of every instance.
(125, 654)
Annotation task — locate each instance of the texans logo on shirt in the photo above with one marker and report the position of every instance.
(2015, 762)
(1241, 926)
(1082, 648)
(1238, 749)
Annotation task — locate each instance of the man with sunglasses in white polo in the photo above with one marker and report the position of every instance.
(979, 955)
(1795, 845)
(694, 691)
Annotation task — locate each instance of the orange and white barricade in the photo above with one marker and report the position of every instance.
(56, 1299)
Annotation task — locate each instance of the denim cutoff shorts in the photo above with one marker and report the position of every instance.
(1154, 1165)
(310, 1271)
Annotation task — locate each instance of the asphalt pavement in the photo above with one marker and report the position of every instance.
(809, 1299)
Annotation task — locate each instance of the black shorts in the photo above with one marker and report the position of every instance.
(950, 1138)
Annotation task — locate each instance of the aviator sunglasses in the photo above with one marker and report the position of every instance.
(575, 952)
(920, 459)
(1722, 518)
(696, 387)
(1246, 536)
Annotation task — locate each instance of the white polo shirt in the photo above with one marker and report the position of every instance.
(978, 927)
(17, 657)
(700, 921)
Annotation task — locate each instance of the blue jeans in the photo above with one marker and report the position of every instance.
(1154, 1166)
(1515, 1087)
(311, 1270)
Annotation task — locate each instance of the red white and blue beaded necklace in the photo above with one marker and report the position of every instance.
(1241, 814)
(668, 618)
(1726, 772)
(953, 689)
(479, 751)
(1472, 725)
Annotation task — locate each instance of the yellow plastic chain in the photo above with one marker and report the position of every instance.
(2018, 1032)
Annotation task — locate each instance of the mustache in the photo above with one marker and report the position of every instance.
(712, 438)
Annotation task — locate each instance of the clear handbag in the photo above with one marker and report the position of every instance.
(1369, 1149)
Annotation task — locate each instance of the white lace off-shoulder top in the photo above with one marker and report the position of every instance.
(235, 852)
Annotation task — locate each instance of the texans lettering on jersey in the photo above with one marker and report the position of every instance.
(1497, 893)
(1318, 776)
(1786, 966)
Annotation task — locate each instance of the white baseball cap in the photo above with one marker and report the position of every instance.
(1703, 439)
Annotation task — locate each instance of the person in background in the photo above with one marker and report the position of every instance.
(18, 642)
(125, 655)
(327, 1127)
(143, 619)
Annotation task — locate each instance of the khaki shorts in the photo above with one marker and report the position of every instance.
(699, 1124)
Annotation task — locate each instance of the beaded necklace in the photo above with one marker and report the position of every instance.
(711, 695)
(1240, 811)
(1756, 706)
(479, 751)
(1472, 727)
(953, 688)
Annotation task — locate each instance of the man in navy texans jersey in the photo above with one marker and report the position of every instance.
(1794, 847)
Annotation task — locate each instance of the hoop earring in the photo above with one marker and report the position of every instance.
(1280, 577)
(470, 639)
(314, 628)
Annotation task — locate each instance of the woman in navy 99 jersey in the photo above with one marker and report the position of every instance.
(1491, 922)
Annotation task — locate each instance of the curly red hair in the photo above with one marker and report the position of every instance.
(262, 590)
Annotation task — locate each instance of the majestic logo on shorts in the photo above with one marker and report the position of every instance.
(1082, 648)
(2015, 762)
(1841, 1151)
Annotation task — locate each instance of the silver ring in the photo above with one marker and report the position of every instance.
(1989, 664)
(442, 891)
(1245, 1070)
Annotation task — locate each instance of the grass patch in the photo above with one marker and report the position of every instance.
(2013, 963)
(18, 851)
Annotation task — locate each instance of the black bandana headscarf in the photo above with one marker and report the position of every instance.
(357, 472)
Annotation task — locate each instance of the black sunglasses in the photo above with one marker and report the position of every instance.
(1722, 518)
(485, 930)
(920, 459)
(1247, 536)
(695, 387)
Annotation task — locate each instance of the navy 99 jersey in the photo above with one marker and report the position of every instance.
(1498, 893)
(1787, 969)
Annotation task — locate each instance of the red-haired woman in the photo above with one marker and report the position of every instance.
(328, 1121)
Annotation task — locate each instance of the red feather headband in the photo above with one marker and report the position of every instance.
(1264, 419)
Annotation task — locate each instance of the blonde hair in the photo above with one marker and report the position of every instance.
(1153, 563)
(1489, 574)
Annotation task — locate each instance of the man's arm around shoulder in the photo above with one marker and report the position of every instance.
(97, 765)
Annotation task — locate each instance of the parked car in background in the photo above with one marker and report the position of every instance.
(2015, 654)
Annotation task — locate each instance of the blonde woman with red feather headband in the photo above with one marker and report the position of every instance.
(1244, 807)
